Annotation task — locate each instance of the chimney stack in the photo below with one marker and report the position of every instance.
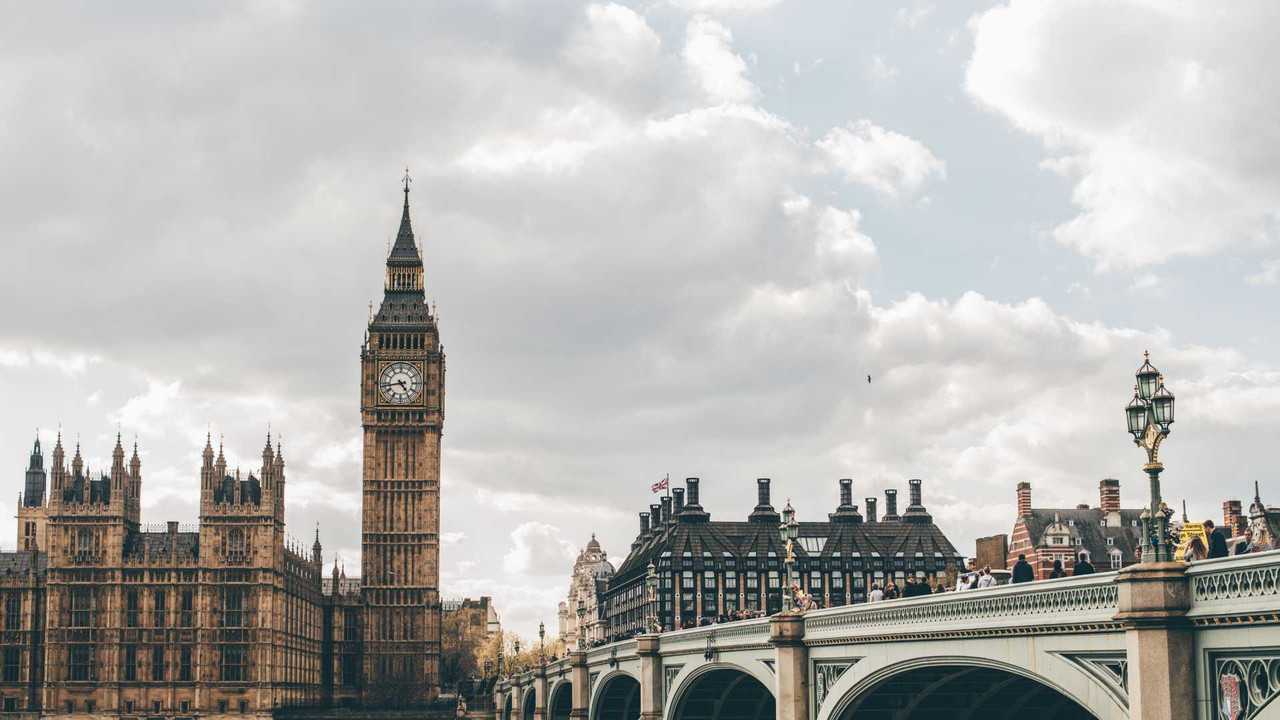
(846, 511)
(655, 517)
(1109, 495)
(692, 485)
(1233, 517)
(667, 517)
(914, 489)
(846, 493)
(678, 493)
(871, 509)
(763, 511)
(644, 524)
(1024, 499)
(891, 505)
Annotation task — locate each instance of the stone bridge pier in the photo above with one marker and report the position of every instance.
(1154, 641)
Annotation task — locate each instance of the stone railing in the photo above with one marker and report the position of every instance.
(1039, 607)
(725, 636)
(1235, 589)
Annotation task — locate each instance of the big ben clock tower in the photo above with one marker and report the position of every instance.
(402, 412)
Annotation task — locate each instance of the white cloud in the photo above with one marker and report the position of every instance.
(538, 549)
(153, 409)
(725, 7)
(1153, 112)
(890, 163)
(715, 67)
(1268, 274)
(880, 71)
(452, 538)
(912, 17)
(615, 41)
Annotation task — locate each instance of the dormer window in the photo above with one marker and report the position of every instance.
(1111, 541)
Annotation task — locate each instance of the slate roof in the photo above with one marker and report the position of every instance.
(159, 544)
(1086, 524)
(22, 562)
(81, 489)
(843, 535)
(250, 490)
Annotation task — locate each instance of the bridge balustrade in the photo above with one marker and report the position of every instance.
(1149, 641)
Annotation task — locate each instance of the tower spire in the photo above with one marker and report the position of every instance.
(405, 248)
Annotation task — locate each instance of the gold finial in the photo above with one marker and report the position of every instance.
(407, 179)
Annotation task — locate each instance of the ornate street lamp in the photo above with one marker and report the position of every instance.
(516, 662)
(788, 532)
(582, 616)
(542, 634)
(651, 588)
(1149, 415)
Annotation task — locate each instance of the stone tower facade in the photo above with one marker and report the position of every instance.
(402, 366)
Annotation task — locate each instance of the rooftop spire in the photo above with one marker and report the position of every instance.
(404, 247)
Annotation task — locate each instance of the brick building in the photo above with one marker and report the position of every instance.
(1107, 534)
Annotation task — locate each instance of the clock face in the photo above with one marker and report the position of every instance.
(400, 382)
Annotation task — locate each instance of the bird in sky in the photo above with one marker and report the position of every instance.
(868, 379)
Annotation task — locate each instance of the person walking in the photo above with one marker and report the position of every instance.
(876, 594)
(1083, 566)
(891, 591)
(1217, 543)
(986, 579)
(1022, 571)
(1057, 571)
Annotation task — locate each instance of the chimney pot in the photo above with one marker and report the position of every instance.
(914, 488)
(692, 485)
(644, 524)
(871, 509)
(678, 506)
(655, 517)
(762, 492)
(846, 492)
(1233, 517)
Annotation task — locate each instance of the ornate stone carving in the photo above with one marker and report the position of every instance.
(825, 674)
(669, 674)
(1110, 669)
(1244, 682)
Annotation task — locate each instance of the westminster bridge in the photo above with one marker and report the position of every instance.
(1154, 641)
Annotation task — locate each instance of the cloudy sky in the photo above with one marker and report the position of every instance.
(671, 236)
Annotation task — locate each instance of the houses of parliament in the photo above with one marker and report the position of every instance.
(104, 616)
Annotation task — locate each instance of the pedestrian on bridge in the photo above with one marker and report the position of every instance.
(1083, 566)
(1022, 571)
(1057, 571)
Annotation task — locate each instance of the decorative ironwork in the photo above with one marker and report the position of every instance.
(825, 676)
(709, 653)
(591, 680)
(1245, 682)
(1236, 583)
(669, 674)
(613, 657)
(1110, 669)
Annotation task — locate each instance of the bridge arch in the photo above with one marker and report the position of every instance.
(529, 703)
(963, 687)
(507, 706)
(560, 703)
(616, 697)
(721, 691)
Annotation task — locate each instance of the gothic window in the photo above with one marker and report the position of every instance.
(130, 663)
(158, 610)
(12, 664)
(233, 607)
(186, 616)
(157, 663)
(131, 608)
(233, 663)
(80, 667)
(13, 611)
(81, 606)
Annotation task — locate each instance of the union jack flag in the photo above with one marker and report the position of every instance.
(662, 484)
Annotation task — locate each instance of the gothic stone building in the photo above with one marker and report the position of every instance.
(102, 615)
(708, 569)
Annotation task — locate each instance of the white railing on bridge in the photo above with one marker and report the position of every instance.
(1045, 606)
(1235, 589)
(724, 636)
